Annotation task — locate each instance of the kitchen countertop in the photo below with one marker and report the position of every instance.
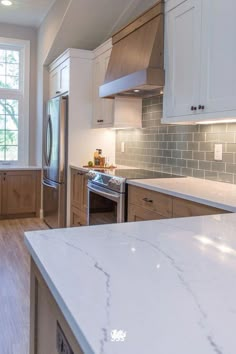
(18, 168)
(168, 284)
(216, 194)
(107, 170)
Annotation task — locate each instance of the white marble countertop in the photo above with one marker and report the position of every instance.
(10, 167)
(169, 284)
(216, 194)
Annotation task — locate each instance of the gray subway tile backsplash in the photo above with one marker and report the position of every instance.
(179, 149)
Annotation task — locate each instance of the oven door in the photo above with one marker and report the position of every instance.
(104, 206)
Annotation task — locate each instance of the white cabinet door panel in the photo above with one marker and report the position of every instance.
(64, 76)
(53, 82)
(182, 58)
(103, 110)
(218, 84)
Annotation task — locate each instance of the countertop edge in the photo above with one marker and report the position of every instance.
(79, 168)
(19, 168)
(83, 343)
(189, 197)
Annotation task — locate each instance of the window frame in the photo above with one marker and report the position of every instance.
(21, 94)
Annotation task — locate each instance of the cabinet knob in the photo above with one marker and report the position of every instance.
(201, 107)
(193, 108)
(57, 92)
(100, 121)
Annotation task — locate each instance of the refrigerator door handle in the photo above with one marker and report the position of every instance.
(48, 144)
(63, 138)
(49, 185)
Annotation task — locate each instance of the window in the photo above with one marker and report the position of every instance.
(14, 101)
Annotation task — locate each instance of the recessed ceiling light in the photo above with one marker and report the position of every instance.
(6, 2)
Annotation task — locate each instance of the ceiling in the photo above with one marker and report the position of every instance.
(85, 23)
(25, 12)
(88, 23)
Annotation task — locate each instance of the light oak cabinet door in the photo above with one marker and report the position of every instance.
(103, 109)
(20, 193)
(76, 185)
(218, 48)
(182, 59)
(79, 198)
(78, 217)
(144, 204)
(45, 318)
(137, 213)
(185, 208)
(153, 201)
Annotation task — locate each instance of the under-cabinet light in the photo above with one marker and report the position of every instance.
(232, 120)
(6, 2)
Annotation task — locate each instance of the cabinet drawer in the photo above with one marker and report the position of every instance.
(78, 217)
(137, 213)
(153, 201)
(182, 208)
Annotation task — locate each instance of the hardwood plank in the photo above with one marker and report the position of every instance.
(15, 284)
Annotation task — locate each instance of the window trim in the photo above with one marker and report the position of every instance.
(23, 93)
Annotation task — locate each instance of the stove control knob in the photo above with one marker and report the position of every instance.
(115, 181)
(91, 174)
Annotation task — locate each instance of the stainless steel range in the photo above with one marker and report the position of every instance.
(107, 193)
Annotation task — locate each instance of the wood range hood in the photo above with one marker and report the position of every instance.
(136, 66)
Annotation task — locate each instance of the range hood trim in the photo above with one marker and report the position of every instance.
(147, 79)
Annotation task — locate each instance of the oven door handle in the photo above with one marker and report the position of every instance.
(113, 196)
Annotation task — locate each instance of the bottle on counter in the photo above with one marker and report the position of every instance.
(102, 160)
(97, 157)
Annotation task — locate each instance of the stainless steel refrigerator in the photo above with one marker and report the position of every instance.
(55, 162)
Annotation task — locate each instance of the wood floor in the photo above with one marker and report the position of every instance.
(14, 285)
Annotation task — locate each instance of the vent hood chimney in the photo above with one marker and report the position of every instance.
(136, 63)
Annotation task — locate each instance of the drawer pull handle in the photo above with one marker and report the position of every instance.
(147, 200)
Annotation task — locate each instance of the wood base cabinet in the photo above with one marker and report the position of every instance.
(144, 204)
(20, 193)
(48, 327)
(79, 197)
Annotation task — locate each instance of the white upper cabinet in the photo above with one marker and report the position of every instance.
(200, 56)
(182, 58)
(116, 113)
(59, 78)
(103, 109)
(218, 79)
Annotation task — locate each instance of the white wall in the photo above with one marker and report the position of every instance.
(46, 35)
(27, 33)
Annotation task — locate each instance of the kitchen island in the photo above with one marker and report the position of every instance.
(156, 287)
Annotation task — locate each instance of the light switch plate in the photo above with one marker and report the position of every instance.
(218, 152)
